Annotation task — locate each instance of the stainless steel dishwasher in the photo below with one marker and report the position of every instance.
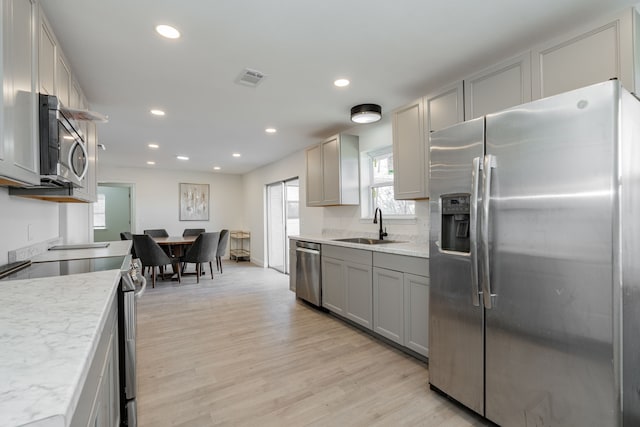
(308, 276)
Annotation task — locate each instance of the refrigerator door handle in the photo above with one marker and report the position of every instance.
(473, 231)
(487, 296)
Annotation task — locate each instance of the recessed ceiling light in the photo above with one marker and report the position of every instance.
(157, 112)
(236, 154)
(270, 130)
(153, 145)
(341, 82)
(151, 163)
(182, 158)
(216, 168)
(168, 31)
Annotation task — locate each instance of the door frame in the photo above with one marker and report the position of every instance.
(132, 204)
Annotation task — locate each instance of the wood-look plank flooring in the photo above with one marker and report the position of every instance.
(241, 350)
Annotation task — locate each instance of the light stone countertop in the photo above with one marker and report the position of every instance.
(115, 248)
(400, 248)
(49, 331)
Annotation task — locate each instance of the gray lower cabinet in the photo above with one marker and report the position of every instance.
(388, 304)
(401, 300)
(99, 403)
(334, 288)
(292, 265)
(416, 313)
(347, 283)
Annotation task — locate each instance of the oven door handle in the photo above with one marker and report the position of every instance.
(143, 287)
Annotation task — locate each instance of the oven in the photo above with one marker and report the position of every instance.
(132, 286)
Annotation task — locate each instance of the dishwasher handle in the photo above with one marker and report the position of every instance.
(309, 251)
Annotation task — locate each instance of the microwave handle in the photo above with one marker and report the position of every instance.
(86, 156)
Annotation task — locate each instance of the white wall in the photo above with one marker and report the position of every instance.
(313, 220)
(255, 206)
(17, 215)
(156, 198)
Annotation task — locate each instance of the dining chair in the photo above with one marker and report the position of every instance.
(151, 255)
(222, 248)
(192, 232)
(126, 235)
(157, 232)
(202, 250)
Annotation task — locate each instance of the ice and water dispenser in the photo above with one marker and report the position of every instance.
(455, 222)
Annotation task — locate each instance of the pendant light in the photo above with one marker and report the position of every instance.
(366, 113)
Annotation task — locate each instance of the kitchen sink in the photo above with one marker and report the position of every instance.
(365, 241)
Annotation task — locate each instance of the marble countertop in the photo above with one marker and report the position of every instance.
(115, 248)
(49, 331)
(400, 248)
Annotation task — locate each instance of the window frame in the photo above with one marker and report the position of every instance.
(370, 157)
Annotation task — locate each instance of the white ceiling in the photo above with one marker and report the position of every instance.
(392, 51)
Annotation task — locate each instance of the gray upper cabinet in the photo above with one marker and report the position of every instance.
(63, 80)
(578, 60)
(333, 172)
(46, 58)
(19, 153)
(410, 156)
(502, 86)
(445, 107)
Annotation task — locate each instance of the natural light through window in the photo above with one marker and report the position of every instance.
(99, 217)
(380, 187)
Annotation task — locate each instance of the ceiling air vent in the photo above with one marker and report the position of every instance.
(249, 77)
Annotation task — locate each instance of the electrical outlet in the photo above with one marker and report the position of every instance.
(29, 232)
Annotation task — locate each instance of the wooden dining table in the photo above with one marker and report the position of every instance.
(178, 245)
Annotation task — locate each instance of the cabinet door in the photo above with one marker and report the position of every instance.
(314, 176)
(409, 155)
(46, 59)
(589, 58)
(292, 266)
(74, 95)
(18, 112)
(331, 171)
(416, 312)
(499, 87)
(359, 294)
(388, 304)
(334, 292)
(63, 81)
(445, 108)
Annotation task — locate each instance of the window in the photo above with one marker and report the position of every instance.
(380, 187)
(99, 217)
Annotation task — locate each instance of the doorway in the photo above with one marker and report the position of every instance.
(283, 220)
(112, 212)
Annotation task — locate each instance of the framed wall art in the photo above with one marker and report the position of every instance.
(194, 202)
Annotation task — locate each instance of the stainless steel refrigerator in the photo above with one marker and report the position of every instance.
(534, 315)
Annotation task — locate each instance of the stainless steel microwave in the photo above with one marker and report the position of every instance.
(63, 152)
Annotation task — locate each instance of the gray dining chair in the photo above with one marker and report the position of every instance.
(192, 232)
(202, 250)
(157, 232)
(222, 248)
(126, 235)
(151, 255)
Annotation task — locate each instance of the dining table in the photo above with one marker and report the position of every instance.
(176, 246)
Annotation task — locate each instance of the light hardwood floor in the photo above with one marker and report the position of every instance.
(241, 350)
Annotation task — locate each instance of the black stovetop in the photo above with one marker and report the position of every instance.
(28, 270)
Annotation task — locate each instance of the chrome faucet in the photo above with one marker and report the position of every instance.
(375, 221)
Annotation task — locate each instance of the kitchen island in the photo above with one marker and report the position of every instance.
(58, 335)
(50, 330)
